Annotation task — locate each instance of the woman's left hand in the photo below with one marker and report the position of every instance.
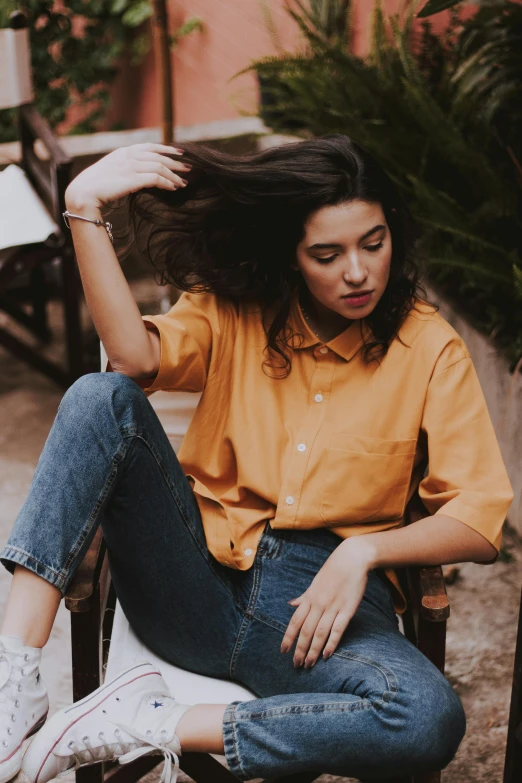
(327, 606)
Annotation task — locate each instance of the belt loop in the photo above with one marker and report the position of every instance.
(270, 542)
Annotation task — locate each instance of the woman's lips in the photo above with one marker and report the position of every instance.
(358, 300)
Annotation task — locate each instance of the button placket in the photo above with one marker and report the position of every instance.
(301, 453)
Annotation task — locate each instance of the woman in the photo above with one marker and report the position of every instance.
(267, 554)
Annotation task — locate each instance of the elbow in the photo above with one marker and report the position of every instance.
(138, 372)
(488, 554)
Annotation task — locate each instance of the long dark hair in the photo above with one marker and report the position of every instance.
(234, 229)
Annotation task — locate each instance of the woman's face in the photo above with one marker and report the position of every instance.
(344, 258)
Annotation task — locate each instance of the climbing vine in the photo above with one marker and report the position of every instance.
(76, 49)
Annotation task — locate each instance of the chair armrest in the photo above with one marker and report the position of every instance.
(83, 588)
(426, 584)
(39, 128)
(434, 602)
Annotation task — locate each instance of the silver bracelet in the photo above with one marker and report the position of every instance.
(97, 222)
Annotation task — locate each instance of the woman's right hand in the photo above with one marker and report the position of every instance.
(126, 170)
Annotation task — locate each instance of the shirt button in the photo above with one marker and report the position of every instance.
(324, 349)
(301, 447)
(318, 398)
(289, 500)
(248, 552)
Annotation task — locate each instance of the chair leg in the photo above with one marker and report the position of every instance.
(299, 777)
(39, 303)
(513, 765)
(432, 641)
(427, 777)
(87, 665)
(406, 779)
(71, 303)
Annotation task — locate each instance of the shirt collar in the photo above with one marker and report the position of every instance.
(344, 345)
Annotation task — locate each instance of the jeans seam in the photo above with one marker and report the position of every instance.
(390, 678)
(87, 529)
(280, 712)
(134, 432)
(230, 721)
(27, 560)
(248, 614)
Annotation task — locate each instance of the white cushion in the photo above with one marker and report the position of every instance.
(25, 218)
(189, 688)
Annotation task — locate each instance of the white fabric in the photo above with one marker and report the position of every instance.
(187, 687)
(24, 218)
(15, 68)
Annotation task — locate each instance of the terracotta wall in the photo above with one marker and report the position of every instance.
(204, 63)
(235, 32)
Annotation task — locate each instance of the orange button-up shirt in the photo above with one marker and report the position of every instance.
(338, 443)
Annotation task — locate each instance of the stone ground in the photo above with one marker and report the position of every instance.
(484, 600)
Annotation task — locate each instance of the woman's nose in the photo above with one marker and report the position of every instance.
(355, 272)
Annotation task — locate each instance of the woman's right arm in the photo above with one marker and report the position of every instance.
(132, 349)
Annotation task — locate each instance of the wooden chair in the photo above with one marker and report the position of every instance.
(21, 262)
(513, 766)
(92, 602)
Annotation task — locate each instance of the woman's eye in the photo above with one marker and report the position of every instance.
(326, 260)
(373, 248)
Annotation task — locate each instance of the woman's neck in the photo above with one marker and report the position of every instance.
(326, 324)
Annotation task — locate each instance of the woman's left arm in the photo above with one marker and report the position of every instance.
(435, 540)
(466, 492)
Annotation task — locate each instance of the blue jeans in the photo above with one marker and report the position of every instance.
(377, 708)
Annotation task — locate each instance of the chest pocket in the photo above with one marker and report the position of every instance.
(365, 479)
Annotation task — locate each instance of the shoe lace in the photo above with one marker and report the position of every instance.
(124, 751)
(10, 665)
(87, 754)
(169, 774)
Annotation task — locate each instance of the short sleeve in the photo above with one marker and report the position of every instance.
(186, 334)
(466, 476)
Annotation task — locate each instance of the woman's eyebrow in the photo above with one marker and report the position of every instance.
(328, 245)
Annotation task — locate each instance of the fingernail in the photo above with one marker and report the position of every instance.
(188, 167)
(185, 181)
(297, 664)
(308, 664)
(284, 648)
(326, 654)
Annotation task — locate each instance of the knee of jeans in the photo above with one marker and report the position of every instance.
(435, 728)
(98, 390)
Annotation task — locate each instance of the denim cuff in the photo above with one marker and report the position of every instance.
(230, 742)
(11, 556)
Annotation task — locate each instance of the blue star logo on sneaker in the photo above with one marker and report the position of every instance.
(155, 701)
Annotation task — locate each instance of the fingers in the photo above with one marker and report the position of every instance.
(294, 626)
(339, 626)
(314, 629)
(153, 167)
(153, 180)
(321, 634)
(166, 148)
(306, 634)
(171, 163)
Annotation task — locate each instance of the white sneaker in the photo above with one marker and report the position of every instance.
(131, 716)
(23, 701)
